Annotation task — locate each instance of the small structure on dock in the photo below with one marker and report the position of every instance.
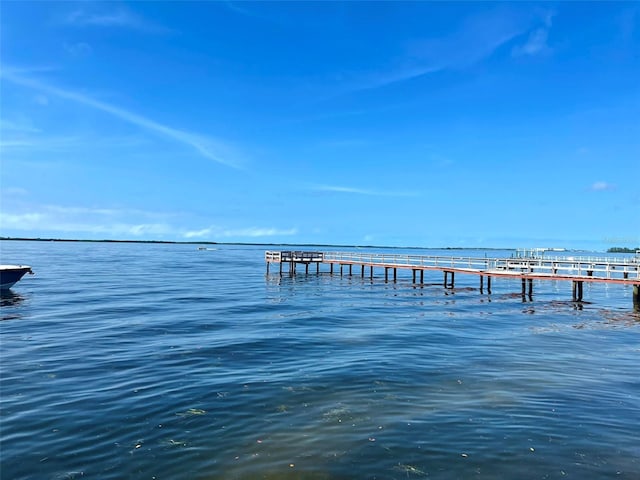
(294, 258)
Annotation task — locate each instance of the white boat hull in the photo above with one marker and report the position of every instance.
(11, 274)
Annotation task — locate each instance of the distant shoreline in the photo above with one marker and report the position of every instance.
(172, 242)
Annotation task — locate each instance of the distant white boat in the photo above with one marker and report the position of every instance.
(11, 274)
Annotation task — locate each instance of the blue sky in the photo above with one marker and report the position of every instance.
(401, 124)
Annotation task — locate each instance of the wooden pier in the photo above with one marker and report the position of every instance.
(577, 270)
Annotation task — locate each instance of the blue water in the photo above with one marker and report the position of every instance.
(142, 361)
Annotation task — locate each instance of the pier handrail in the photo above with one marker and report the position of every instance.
(593, 267)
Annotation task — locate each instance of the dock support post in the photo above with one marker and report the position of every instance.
(371, 272)
(268, 267)
(395, 275)
(421, 277)
(481, 284)
(446, 282)
(331, 269)
(577, 290)
(362, 271)
(524, 287)
(306, 268)
(489, 284)
(530, 282)
(340, 269)
(317, 267)
(636, 297)
(386, 274)
(350, 269)
(414, 274)
(280, 265)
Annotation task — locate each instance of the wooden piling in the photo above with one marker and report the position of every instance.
(577, 290)
(580, 283)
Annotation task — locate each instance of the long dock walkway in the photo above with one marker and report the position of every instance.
(578, 270)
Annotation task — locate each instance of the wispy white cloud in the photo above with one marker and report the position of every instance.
(371, 81)
(39, 142)
(20, 126)
(602, 186)
(82, 221)
(342, 189)
(38, 222)
(210, 148)
(361, 191)
(260, 232)
(108, 17)
(202, 233)
(536, 42)
(251, 232)
(477, 38)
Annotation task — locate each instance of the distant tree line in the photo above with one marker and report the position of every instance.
(622, 250)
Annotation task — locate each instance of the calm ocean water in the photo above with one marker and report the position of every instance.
(137, 361)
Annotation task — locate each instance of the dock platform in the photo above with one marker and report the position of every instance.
(577, 270)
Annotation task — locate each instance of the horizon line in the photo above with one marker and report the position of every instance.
(306, 244)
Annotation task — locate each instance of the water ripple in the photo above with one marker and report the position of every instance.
(142, 361)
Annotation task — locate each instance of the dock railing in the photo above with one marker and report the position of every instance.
(591, 267)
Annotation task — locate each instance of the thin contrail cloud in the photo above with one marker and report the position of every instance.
(207, 147)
